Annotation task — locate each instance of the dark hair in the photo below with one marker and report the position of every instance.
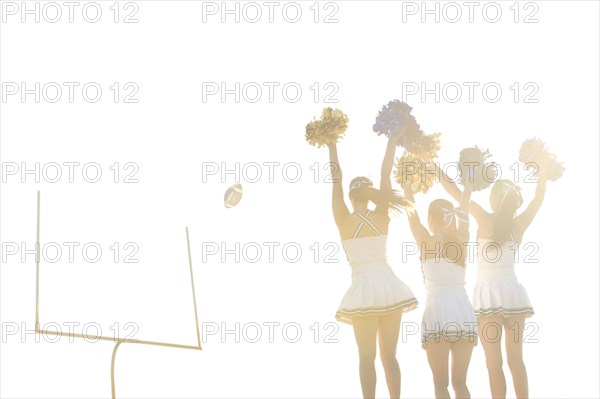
(505, 200)
(451, 235)
(387, 199)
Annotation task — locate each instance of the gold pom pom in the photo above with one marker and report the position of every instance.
(427, 146)
(534, 153)
(417, 169)
(475, 168)
(329, 129)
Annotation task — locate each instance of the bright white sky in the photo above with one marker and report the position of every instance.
(172, 136)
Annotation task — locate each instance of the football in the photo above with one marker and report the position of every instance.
(233, 195)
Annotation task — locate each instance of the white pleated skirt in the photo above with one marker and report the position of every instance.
(448, 317)
(498, 292)
(375, 291)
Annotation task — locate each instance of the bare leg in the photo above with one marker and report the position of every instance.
(490, 335)
(461, 356)
(437, 355)
(365, 332)
(514, 354)
(389, 330)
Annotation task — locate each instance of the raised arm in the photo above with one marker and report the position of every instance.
(463, 212)
(419, 232)
(524, 219)
(340, 210)
(448, 184)
(480, 214)
(388, 163)
(465, 198)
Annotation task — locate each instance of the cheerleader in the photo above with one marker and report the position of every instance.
(501, 303)
(376, 299)
(449, 324)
